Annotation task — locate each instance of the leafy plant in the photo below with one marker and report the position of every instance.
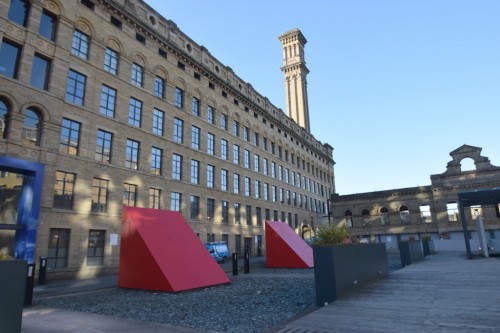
(331, 235)
(5, 256)
(426, 237)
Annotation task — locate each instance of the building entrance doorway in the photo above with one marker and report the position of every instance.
(248, 245)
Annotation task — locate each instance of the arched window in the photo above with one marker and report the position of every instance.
(404, 215)
(32, 126)
(384, 216)
(365, 215)
(348, 218)
(4, 118)
(467, 164)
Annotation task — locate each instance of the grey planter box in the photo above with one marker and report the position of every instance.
(410, 252)
(12, 288)
(428, 247)
(339, 269)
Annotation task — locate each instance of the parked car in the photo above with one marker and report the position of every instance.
(218, 250)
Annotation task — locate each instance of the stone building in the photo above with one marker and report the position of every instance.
(392, 215)
(107, 103)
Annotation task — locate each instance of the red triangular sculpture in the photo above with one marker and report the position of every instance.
(285, 249)
(160, 251)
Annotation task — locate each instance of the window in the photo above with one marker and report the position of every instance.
(266, 191)
(111, 61)
(404, 215)
(223, 121)
(195, 172)
(48, 25)
(116, 22)
(256, 162)
(225, 211)
(134, 112)
(154, 198)
(210, 209)
(287, 175)
(129, 195)
(195, 104)
(268, 214)
(288, 197)
(156, 158)
(132, 155)
(264, 143)
(273, 151)
(274, 193)
(452, 208)
(57, 256)
(32, 131)
(273, 169)
(247, 186)
(63, 191)
(40, 72)
(19, 11)
(210, 115)
(175, 201)
(103, 146)
(237, 213)
(293, 178)
(108, 101)
(95, 249)
(280, 154)
(223, 180)
(87, 3)
(10, 55)
(210, 175)
(179, 97)
(195, 207)
(247, 159)
(210, 143)
(195, 137)
(258, 215)
(158, 117)
(140, 38)
(257, 189)
(223, 149)
(384, 215)
(283, 217)
(248, 212)
(70, 137)
(282, 195)
(256, 139)
(80, 46)
(75, 87)
(137, 74)
(176, 167)
(178, 130)
(425, 213)
(236, 154)
(280, 173)
(275, 215)
(236, 128)
(159, 87)
(265, 166)
(4, 118)
(99, 195)
(246, 133)
(236, 183)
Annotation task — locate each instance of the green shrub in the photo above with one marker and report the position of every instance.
(331, 235)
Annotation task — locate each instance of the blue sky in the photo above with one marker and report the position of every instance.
(394, 85)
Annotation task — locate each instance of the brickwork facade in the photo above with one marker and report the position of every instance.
(122, 108)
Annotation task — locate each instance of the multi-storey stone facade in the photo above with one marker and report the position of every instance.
(388, 216)
(118, 107)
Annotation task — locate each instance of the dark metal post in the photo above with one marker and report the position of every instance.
(30, 279)
(235, 264)
(247, 262)
(42, 270)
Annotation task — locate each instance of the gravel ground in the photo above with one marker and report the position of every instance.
(251, 303)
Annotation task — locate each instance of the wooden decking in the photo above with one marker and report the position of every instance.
(443, 293)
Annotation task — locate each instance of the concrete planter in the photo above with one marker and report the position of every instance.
(12, 288)
(410, 251)
(428, 247)
(339, 269)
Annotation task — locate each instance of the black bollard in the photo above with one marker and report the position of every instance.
(235, 264)
(42, 270)
(247, 262)
(30, 280)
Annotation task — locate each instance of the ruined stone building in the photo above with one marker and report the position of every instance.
(107, 103)
(392, 215)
